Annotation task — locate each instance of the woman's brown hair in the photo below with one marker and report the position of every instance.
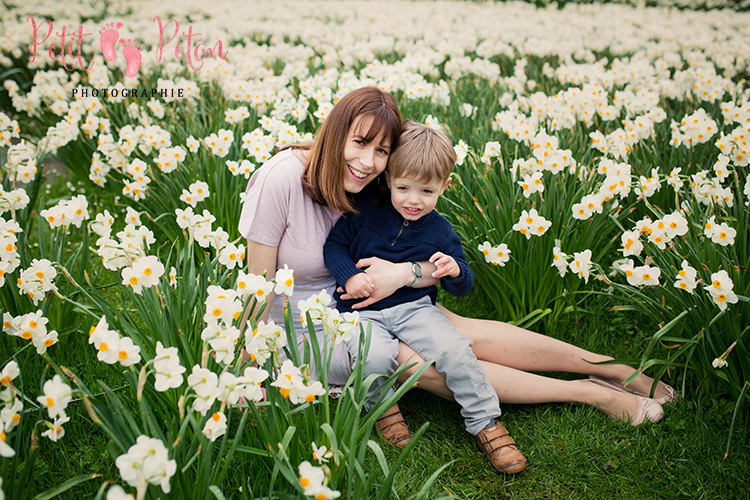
(323, 178)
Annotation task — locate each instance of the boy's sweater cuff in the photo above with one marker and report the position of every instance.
(459, 287)
(343, 271)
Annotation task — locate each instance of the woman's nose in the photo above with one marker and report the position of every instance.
(367, 157)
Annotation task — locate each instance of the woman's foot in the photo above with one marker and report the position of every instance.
(622, 406)
(641, 386)
(393, 428)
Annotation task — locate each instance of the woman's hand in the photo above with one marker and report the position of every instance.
(388, 277)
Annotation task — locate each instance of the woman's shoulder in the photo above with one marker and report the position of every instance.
(282, 171)
(283, 164)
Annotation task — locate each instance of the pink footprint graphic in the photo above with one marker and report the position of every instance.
(109, 38)
(132, 53)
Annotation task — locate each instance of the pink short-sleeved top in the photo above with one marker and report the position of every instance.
(278, 213)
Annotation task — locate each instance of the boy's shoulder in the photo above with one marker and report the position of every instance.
(438, 222)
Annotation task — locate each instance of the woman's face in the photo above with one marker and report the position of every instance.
(363, 161)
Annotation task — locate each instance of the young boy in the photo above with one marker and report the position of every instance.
(406, 228)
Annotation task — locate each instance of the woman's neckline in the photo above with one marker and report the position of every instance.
(301, 154)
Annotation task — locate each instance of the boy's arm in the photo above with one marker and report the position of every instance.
(462, 285)
(336, 249)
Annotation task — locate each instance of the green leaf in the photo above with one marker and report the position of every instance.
(217, 492)
(61, 488)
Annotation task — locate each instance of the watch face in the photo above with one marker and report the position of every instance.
(416, 269)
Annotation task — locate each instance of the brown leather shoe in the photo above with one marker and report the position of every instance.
(500, 447)
(393, 428)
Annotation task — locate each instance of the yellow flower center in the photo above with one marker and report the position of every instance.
(147, 271)
(103, 347)
(216, 417)
(133, 280)
(50, 402)
(123, 355)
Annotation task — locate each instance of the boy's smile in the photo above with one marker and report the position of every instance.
(413, 198)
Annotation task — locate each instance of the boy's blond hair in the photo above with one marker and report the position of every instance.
(423, 153)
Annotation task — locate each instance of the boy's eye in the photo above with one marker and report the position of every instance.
(427, 191)
(401, 188)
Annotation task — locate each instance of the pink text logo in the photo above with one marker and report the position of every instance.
(109, 37)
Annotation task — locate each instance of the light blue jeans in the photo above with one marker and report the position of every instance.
(424, 328)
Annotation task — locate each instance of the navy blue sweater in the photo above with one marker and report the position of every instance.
(380, 231)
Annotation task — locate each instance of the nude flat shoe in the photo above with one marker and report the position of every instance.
(648, 409)
(669, 397)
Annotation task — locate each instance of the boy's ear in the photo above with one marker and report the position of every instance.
(445, 186)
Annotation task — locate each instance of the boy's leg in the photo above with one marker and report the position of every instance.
(381, 358)
(425, 329)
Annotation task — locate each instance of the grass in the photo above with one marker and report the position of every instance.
(578, 452)
(573, 451)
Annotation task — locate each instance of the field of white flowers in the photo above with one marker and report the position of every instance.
(602, 149)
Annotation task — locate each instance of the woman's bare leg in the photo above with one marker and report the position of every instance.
(520, 387)
(513, 347)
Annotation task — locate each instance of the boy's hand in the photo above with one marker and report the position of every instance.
(446, 266)
(358, 286)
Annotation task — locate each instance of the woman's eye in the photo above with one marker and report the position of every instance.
(383, 151)
(359, 142)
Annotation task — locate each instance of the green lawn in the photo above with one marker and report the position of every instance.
(573, 451)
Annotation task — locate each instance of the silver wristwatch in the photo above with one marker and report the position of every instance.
(416, 270)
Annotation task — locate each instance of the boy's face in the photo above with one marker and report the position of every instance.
(414, 198)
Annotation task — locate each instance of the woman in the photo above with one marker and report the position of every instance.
(296, 198)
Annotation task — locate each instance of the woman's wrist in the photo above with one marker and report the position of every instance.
(406, 274)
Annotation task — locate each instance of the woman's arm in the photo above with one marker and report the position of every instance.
(389, 277)
(260, 258)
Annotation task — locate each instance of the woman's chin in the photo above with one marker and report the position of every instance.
(355, 186)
